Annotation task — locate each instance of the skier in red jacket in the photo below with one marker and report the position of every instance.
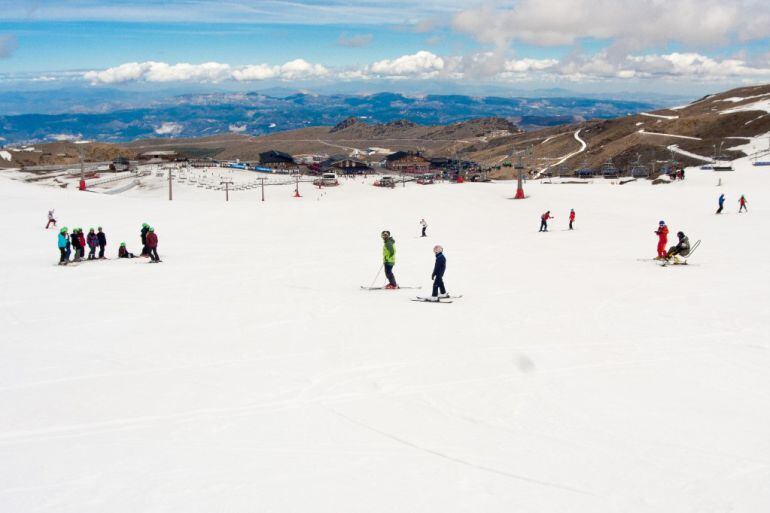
(152, 245)
(662, 233)
(544, 221)
(571, 217)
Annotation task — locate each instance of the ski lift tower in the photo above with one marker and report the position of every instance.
(519, 165)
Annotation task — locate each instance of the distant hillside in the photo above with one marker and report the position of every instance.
(202, 115)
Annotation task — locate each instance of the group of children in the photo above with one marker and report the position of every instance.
(545, 217)
(77, 242)
(389, 260)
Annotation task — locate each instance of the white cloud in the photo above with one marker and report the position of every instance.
(630, 25)
(237, 129)
(169, 128)
(419, 65)
(65, 137)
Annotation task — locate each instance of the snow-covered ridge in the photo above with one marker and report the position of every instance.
(659, 116)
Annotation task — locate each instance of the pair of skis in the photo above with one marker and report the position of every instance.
(421, 299)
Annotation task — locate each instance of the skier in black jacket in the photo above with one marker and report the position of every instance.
(102, 238)
(145, 249)
(438, 274)
(75, 244)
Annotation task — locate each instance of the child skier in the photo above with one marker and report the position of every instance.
(123, 252)
(571, 217)
(102, 238)
(438, 274)
(145, 229)
(152, 245)
(742, 202)
(544, 221)
(424, 226)
(389, 259)
(63, 242)
(51, 220)
(92, 240)
(75, 240)
(662, 233)
(81, 243)
(721, 203)
(681, 249)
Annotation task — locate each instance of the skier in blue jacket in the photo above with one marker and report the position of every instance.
(63, 244)
(721, 203)
(438, 274)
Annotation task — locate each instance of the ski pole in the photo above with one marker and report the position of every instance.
(378, 275)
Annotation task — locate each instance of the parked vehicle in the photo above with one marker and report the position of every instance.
(327, 180)
(386, 181)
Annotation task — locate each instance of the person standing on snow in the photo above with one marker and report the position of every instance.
(389, 259)
(152, 245)
(424, 226)
(662, 233)
(438, 274)
(102, 238)
(571, 217)
(75, 240)
(742, 202)
(51, 219)
(63, 242)
(81, 243)
(721, 203)
(544, 221)
(92, 240)
(145, 229)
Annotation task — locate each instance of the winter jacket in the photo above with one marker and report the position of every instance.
(572, 216)
(122, 252)
(683, 247)
(152, 240)
(144, 236)
(662, 233)
(75, 241)
(81, 240)
(742, 200)
(546, 216)
(721, 200)
(102, 238)
(439, 267)
(92, 240)
(389, 251)
(62, 240)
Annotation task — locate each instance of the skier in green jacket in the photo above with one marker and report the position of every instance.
(389, 259)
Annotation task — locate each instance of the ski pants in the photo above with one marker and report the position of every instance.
(64, 257)
(543, 225)
(101, 251)
(50, 221)
(742, 208)
(423, 231)
(438, 285)
(662, 248)
(570, 224)
(719, 210)
(91, 252)
(389, 274)
(153, 252)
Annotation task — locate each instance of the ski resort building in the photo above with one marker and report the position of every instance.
(345, 165)
(276, 160)
(407, 162)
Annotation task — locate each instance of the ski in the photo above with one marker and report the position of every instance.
(666, 263)
(383, 288)
(441, 298)
(425, 300)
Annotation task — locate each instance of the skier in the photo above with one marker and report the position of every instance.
(544, 221)
(92, 240)
(571, 217)
(102, 242)
(75, 240)
(681, 249)
(742, 202)
(721, 203)
(389, 259)
(51, 219)
(123, 252)
(424, 226)
(438, 274)
(145, 229)
(662, 233)
(152, 245)
(81, 243)
(63, 242)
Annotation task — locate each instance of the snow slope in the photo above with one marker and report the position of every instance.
(248, 372)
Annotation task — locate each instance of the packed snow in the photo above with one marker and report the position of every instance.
(643, 132)
(249, 372)
(659, 116)
(680, 151)
(762, 105)
(5, 155)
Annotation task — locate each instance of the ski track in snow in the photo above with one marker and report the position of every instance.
(643, 132)
(583, 147)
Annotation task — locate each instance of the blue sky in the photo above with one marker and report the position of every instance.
(578, 44)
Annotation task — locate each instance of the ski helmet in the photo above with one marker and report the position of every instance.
(145, 225)
(90, 229)
(680, 234)
(152, 229)
(662, 223)
(385, 233)
(63, 230)
(99, 228)
(122, 244)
